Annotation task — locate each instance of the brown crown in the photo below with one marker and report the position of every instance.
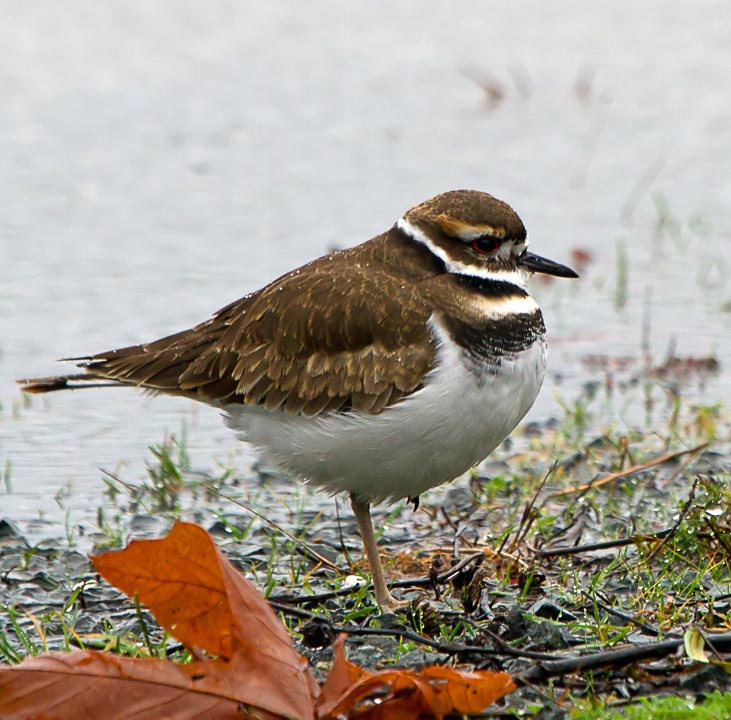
(460, 213)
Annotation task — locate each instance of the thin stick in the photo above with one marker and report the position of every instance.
(307, 550)
(606, 545)
(612, 659)
(649, 629)
(628, 471)
(527, 518)
(681, 516)
(610, 544)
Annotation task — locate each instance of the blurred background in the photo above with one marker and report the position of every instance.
(159, 160)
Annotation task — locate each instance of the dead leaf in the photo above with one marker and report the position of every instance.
(342, 677)
(433, 691)
(695, 649)
(200, 598)
(87, 685)
(694, 645)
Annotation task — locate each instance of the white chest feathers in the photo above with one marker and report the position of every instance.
(434, 435)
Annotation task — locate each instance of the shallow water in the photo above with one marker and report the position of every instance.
(161, 160)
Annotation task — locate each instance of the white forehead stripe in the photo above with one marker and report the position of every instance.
(515, 277)
(474, 233)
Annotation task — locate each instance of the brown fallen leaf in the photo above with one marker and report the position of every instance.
(431, 692)
(87, 685)
(342, 677)
(201, 599)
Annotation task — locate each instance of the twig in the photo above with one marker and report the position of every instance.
(447, 519)
(711, 645)
(459, 535)
(681, 516)
(343, 545)
(612, 659)
(506, 647)
(305, 549)
(649, 629)
(606, 545)
(580, 516)
(526, 519)
(628, 471)
(448, 648)
(127, 486)
(447, 575)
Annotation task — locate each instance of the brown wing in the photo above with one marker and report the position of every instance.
(326, 337)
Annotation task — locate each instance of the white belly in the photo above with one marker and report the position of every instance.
(455, 421)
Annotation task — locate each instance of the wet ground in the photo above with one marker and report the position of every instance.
(159, 162)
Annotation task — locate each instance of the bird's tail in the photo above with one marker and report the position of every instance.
(77, 381)
(159, 366)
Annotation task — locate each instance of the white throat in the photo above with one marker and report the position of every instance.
(515, 277)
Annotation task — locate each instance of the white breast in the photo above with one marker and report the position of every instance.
(455, 421)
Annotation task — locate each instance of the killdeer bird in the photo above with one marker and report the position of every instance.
(381, 370)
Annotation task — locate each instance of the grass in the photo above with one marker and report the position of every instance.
(713, 707)
(6, 475)
(621, 290)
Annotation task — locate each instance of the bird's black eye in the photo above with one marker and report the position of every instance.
(485, 244)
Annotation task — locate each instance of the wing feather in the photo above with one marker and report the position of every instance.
(328, 337)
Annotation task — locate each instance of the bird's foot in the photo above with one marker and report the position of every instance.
(388, 603)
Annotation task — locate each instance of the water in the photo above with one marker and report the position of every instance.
(161, 159)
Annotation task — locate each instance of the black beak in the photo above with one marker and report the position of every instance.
(535, 263)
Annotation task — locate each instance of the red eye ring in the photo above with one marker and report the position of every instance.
(485, 244)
